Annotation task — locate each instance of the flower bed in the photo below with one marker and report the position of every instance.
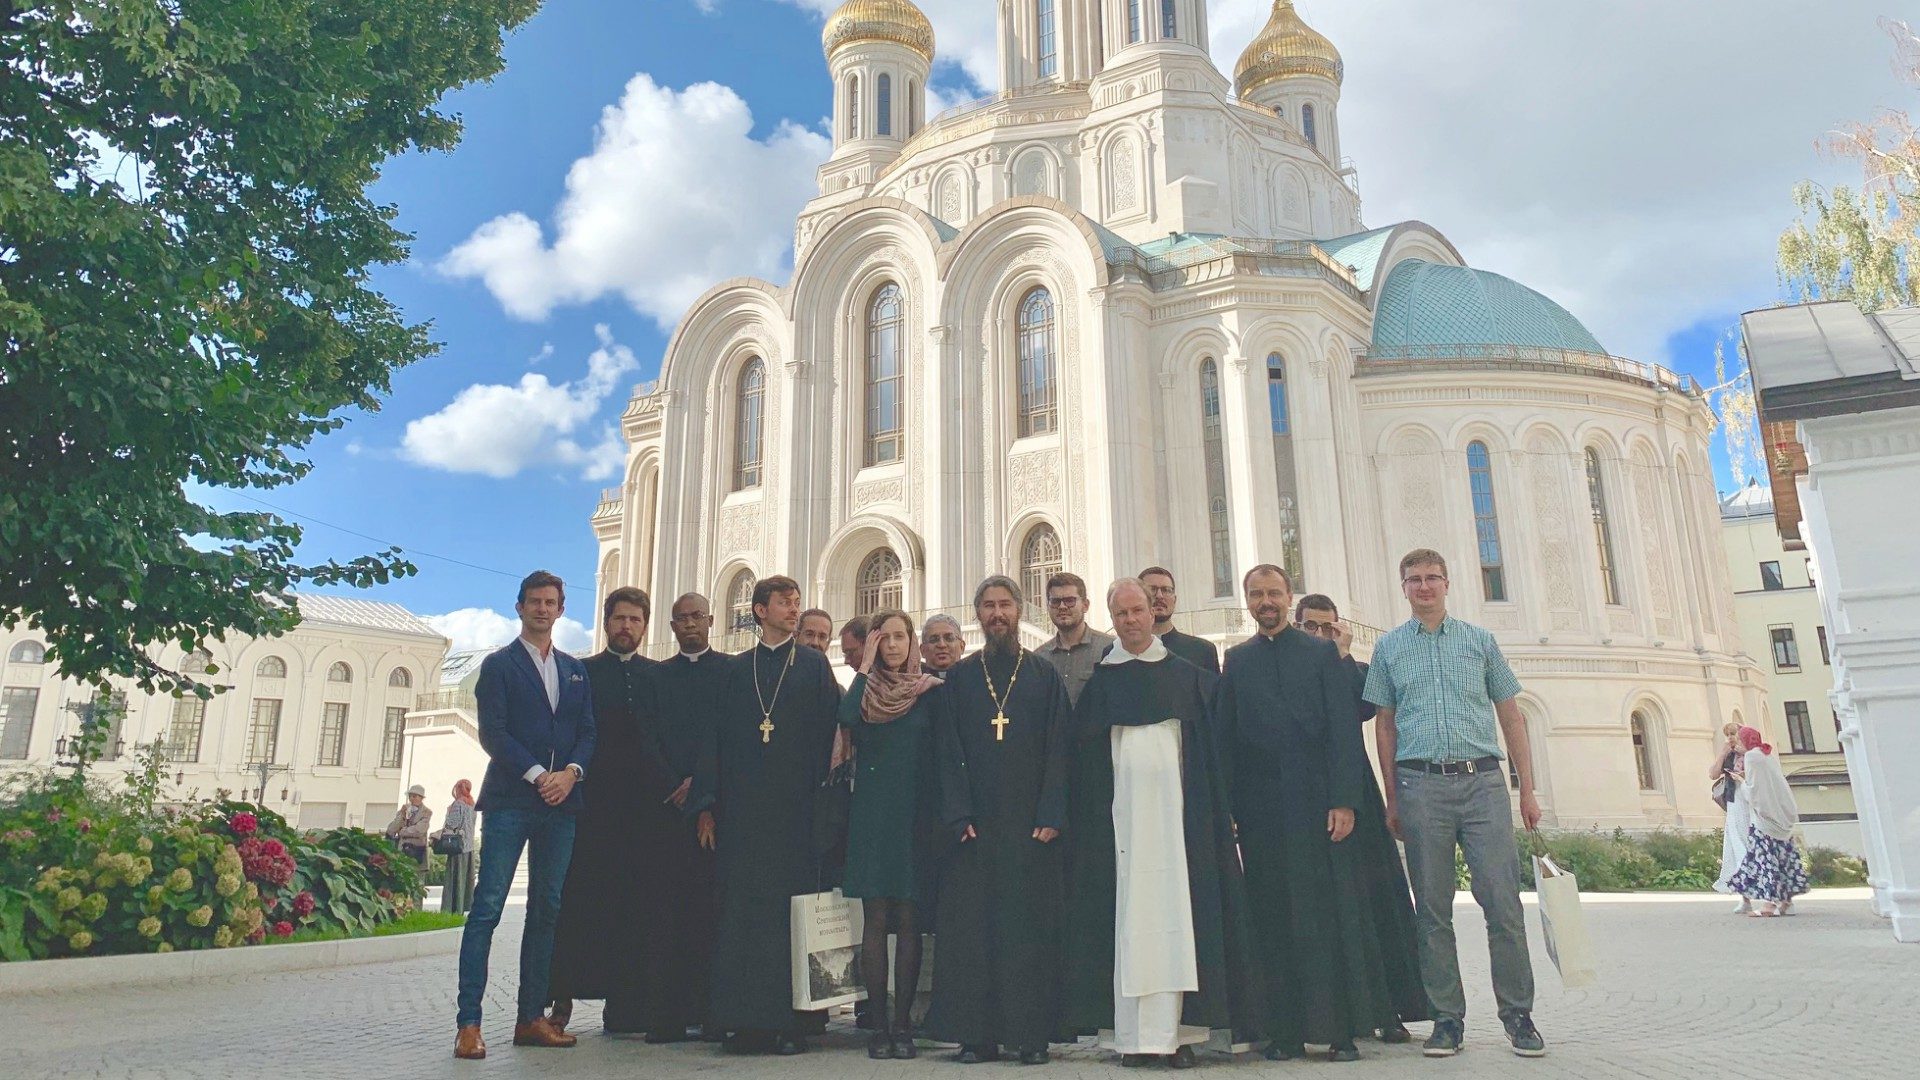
(85, 872)
(1665, 859)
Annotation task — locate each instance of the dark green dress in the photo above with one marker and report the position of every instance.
(887, 849)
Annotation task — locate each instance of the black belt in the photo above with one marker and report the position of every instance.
(1453, 768)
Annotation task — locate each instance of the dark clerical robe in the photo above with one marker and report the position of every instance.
(1197, 651)
(603, 943)
(1286, 708)
(768, 751)
(1392, 900)
(1144, 724)
(997, 977)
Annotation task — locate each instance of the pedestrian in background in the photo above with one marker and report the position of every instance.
(457, 839)
(1728, 791)
(1771, 873)
(410, 825)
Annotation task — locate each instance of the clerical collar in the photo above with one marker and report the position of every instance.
(791, 639)
(1119, 654)
(693, 657)
(624, 656)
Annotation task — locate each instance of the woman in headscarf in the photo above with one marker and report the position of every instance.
(1725, 775)
(456, 895)
(889, 862)
(1772, 873)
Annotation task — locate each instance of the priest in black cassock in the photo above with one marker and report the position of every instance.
(768, 751)
(1197, 651)
(1159, 952)
(1318, 616)
(1003, 745)
(600, 942)
(1286, 707)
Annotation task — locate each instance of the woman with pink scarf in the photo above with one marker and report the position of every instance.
(886, 722)
(1771, 873)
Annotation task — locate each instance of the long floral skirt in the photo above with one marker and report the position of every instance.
(1771, 871)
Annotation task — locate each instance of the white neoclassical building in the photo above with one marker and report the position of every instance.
(1126, 311)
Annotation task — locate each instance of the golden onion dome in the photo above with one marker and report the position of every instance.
(1287, 47)
(897, 21)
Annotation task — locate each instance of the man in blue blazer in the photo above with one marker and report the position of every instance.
(536, 725)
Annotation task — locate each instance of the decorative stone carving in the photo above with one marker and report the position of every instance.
(1418, 467)
(1033, 480)
(1652, 544)
(1501, 618)
(739, 530)
(1546, 469)
(879, 491)
(1620, 621)
(1120, 167)
(950, 198)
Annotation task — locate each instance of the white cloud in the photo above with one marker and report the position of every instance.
(485, 628)
(676, 195)
(497, 430)
(546, 350)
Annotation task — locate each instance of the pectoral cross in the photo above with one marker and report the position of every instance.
(766, 728)
(1000, 723)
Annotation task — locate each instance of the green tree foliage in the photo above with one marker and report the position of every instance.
(185, 243)
(1860, 245)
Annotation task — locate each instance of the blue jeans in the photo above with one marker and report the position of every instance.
(547, 834)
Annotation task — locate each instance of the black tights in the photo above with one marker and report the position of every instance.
(902, 919)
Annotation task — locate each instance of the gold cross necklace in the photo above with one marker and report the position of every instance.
(1000, 720)
(766, 707)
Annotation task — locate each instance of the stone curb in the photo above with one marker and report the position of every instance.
(90, 972)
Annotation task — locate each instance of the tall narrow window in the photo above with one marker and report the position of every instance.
(1486, 521)
(853, 107)
(1770, 578)
(1169, 20)
(1786, 650)
(1040, 559)
(1799, 728)
(1216, 461)
(392, 737)
(1286, 478)
(1038, 413)
(333, 734)
(263, 731)
(740, 604)
(1306, 125)
(17, 705)
(883, 106)
(1133, 21)
(183, 734)
(886, 325)
(879, 583)
(1602, 528)
(749, 405)
(1643, 753)
(1049, 38)
(913, 108)
(1826, 657)
(110, 712)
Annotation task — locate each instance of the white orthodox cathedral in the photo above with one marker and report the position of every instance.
(1126, 312)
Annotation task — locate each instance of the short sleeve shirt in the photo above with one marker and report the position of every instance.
(1442, 686)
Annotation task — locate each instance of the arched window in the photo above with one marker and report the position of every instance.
(1306, 125)
(883, 106)
(196, 662)
(1602, 527)
(271, 668)
(340, 673)
(400, 677)
(1286, 478)
(1277, 394)
(1169, 20)
(28, 652)
(748, 410)
(1038, 413)
(1040, 559)
(853, 107)
(879, 583)
(1643, 752)
(1486, 521)
(740, 603)
(886, 326)
(913, 108)
(1048, 37)
(1133, 21)
(1216, 461)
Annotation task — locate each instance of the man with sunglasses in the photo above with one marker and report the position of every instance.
(1076, 648)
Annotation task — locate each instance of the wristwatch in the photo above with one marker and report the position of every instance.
(578, 775)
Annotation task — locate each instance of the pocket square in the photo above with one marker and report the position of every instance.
(575, 678)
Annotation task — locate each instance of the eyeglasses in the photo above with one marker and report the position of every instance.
(1062, 601)
(689, 617)
(1159, 590)
(1324, 629)
(1428, 579)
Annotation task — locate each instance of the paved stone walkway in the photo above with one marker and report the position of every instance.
(1687, 991)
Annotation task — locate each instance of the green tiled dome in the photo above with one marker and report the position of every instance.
(1427, 307)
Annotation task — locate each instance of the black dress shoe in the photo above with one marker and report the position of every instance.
(1278, 1051)
(880, 1046)
(1182, 1059)
(787, 1045)
(903, 1048)
(1134, 1061)
(749, 1042)
(1343, 1052)
(977, 1053)
(668, 1035)
(712, 1034)
(1035, 1057)
(1395, 1033)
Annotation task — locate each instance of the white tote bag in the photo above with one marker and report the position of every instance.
(825, 940)
(1562, 923)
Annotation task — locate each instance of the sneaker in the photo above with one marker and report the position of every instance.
(1445, 1040)
(1524, 1036)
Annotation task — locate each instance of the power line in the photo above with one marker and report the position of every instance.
(378, 540)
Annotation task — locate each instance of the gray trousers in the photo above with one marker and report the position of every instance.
(1436, 813)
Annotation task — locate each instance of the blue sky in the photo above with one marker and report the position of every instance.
(1634, 165)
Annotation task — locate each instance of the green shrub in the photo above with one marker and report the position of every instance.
(1827, 866)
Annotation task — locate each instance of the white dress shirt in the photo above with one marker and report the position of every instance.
(549, 668)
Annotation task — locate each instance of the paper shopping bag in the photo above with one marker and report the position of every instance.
(825, 937)
(1562, 923)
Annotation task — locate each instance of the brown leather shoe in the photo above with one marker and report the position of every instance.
(561, 1015)
(537, 1032)
(468, 1045)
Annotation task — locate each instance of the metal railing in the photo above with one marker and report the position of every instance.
(1385, 360)
(445, 701)
(1249, 255)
